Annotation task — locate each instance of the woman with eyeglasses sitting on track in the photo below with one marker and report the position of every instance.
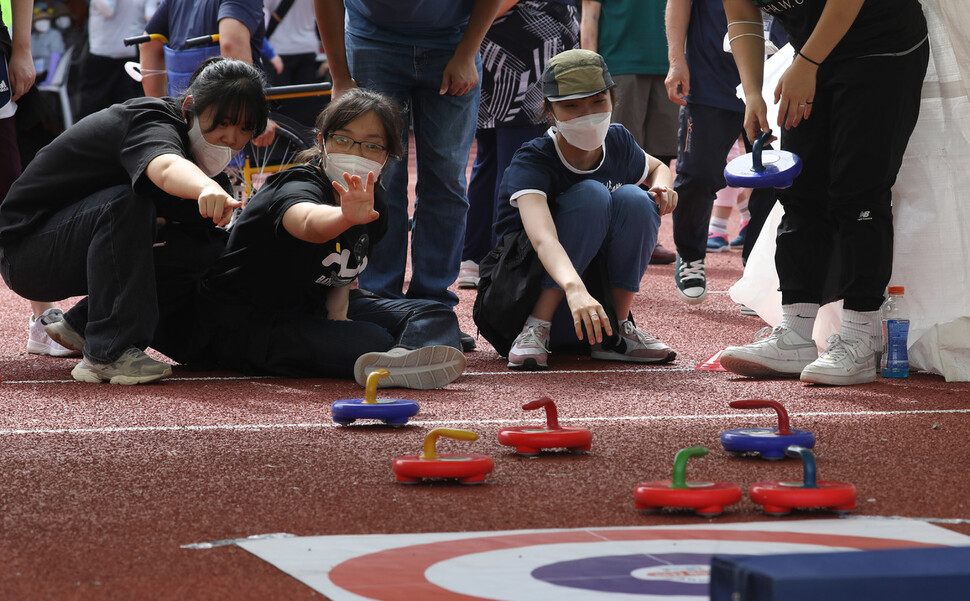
(81, 220)
(295, 251)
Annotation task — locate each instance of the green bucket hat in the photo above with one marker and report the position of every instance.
(575, 74)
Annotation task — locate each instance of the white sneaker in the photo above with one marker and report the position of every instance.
(775, 352)
(530, 351)
(634, 346)
(40, 343)
(420, 369)
(468, 275)
(846, 361)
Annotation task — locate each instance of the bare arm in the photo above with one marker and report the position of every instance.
(589, 29)
(319, 223)
(541, 229)
(660, 183)
(234, 38)
(677, 17)
(460, 75)
(748, 47)
(796, 89)
(153, 62)
(330, 24)
(182, 178)
(338, 302)
(21, 66)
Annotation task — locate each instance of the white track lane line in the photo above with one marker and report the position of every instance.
(616, 419)
(468, 373)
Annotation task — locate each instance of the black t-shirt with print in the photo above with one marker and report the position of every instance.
(266, 270)
(109, 148)
(882, 26)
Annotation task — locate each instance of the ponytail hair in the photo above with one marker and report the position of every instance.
(235, 89)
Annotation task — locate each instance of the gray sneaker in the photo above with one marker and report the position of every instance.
(421, 369)
(60, 332)
(634, 346)
(132, 367)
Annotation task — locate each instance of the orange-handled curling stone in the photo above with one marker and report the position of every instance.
(768, 443)
(468, 469)
(779, 498)
(530, 440)
(391, 411)
(708, 499)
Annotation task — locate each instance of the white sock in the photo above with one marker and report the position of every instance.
(743, 211)
(800, 318)
(862, 325)
(718, 226)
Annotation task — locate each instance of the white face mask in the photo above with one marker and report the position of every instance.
(210, 158)
(42, 26)
(587, 132)
(336, 164)
(63, 22)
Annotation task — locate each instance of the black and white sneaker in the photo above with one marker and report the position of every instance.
(691, 281)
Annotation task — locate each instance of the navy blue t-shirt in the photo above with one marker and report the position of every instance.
(179, 20)
(424, 23)
(714, 77)
(538, 167)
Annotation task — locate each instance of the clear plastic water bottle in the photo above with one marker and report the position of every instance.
(895, 334)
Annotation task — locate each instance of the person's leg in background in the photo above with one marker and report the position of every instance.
(444, 129)
(481, 208)
(706, 135)
(389, 69)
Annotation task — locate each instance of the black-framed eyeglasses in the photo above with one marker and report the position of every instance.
(371, 150)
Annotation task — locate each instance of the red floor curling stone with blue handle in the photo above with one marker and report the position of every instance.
(763, 168)
(778, 498)
(467, 469)
(708, 499)
(391, 411)
(530, 440)
(768, 443)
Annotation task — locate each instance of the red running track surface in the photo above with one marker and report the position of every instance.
(101, 485)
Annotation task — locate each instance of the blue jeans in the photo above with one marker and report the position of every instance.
(623, 223)
(444, 128)
(99, 246)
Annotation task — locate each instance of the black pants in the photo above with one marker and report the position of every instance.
(104, 82)
(706, 135)
(836, 238)
(100, 246)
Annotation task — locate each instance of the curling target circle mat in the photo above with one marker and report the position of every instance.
(657, 563)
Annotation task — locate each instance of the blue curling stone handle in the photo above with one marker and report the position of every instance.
(763, 168)
(390, 410)
(765, 441)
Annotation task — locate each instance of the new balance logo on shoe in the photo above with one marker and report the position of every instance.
(864, 216)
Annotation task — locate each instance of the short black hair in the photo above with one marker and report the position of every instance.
(234, 88)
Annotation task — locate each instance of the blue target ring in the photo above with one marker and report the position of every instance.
(640, 574)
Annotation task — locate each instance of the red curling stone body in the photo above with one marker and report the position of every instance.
(530, 440)
(468, 469)
(706, 498)
(779, 497)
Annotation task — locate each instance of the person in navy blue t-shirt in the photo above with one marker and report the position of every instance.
(579, 192)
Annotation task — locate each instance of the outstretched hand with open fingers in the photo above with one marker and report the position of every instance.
(357, 199)
(588, 313)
